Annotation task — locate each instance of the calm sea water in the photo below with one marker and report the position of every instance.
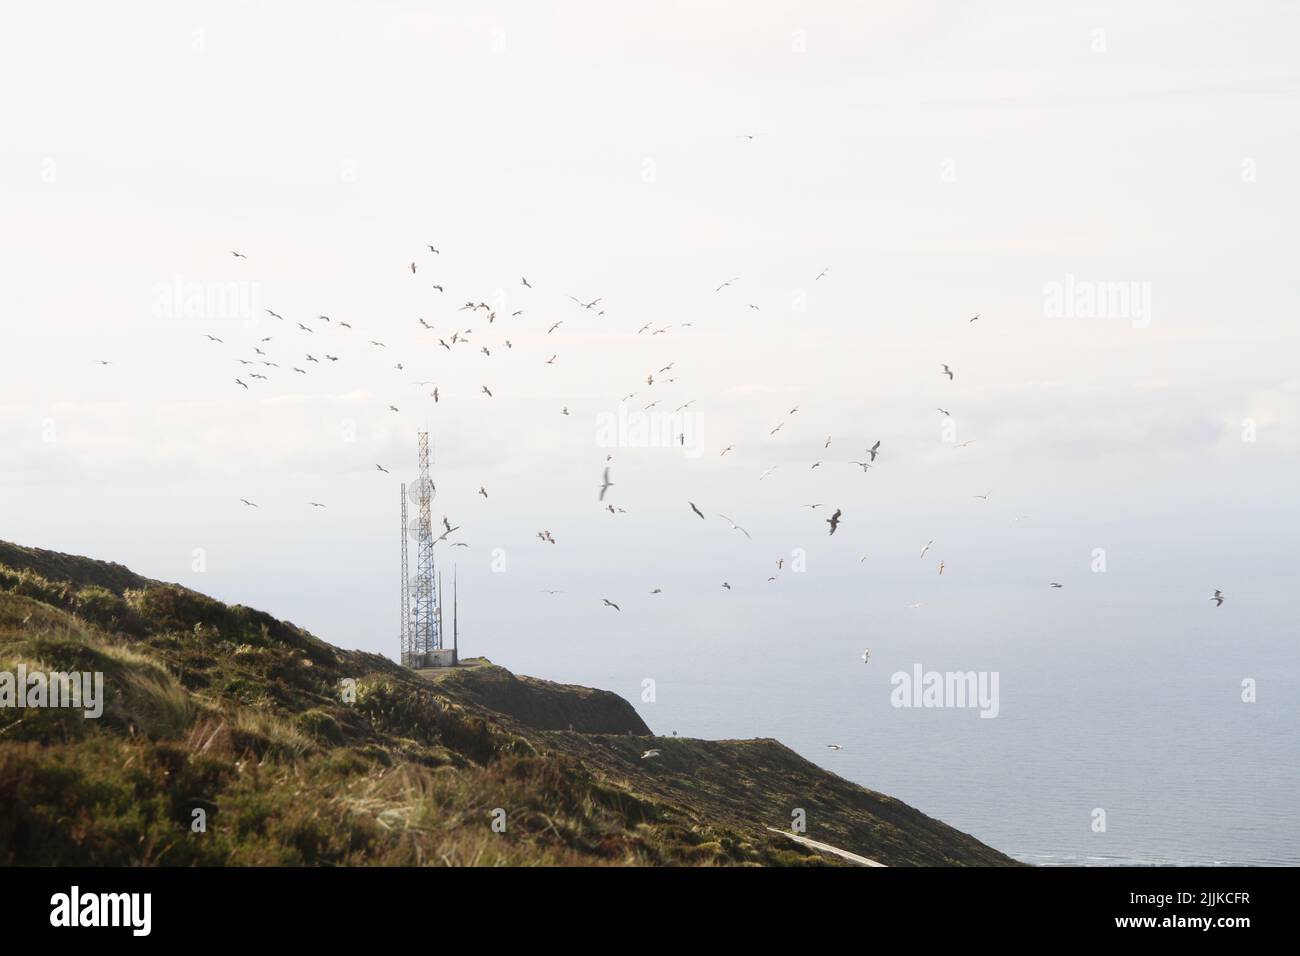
(1145, 722)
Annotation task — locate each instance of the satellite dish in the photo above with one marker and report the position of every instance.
(413, 528)
(414, 491)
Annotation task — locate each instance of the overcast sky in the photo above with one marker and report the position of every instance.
(937, 160)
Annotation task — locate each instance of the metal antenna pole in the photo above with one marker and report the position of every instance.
(426, 636)
(405, 617)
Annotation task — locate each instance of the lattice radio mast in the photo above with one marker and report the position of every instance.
(405, 617)
(425, 633)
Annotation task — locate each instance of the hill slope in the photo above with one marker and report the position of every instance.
(289, 750)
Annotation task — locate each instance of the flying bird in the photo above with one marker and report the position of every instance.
(1217, 599)
(727, 283)
(873, 450)
(834, 520)
(1056, 585)
(947, 371)
(926, 548)
(606, 484)
(734, 526)
(649, 753)
(247, 502)
(238, 382)
(382, 468)
(315, 504)
(696, 510)
(609, 603)
(238, 255)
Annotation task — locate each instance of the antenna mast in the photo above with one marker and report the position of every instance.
(405, 617)
(425, 633)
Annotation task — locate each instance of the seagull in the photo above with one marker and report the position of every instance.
(551, 591)
(734, 526)
(865, 464)
(247, 502)
(657, 591)
(1055, 585)
(378, 344)
(433, 250)
(546, 536)
(727, 283)
(315, 504)
(974, 319)
(606, 484)
(412, 268)
(439, 288)
(487, 391)
(727, 449)
(609, 603)
(985, 497)
(524, 281)
(212, 338)
(551, 360)
(941, 567)
(947, 371)
(382, 468)
(866, 655)
(1217, 599)
(554, 327)
(238, 255)
(945, 412)
(650, 753)
(873, 450)
(392, 408)
(102, 362)
(834, 747)
(274, 314)
(834, 520)
(927, 547)
(726, 585)
(238, 382)
(820, 274)
(305, 329)
(482, 491)
(696, 510)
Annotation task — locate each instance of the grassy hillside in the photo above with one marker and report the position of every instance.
(230, 711)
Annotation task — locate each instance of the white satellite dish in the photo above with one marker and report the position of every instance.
(414, 490)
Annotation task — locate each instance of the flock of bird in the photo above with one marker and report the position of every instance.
(296, 348)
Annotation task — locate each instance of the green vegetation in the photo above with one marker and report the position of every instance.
(296, 752)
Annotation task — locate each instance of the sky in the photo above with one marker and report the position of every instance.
(1110, 187)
